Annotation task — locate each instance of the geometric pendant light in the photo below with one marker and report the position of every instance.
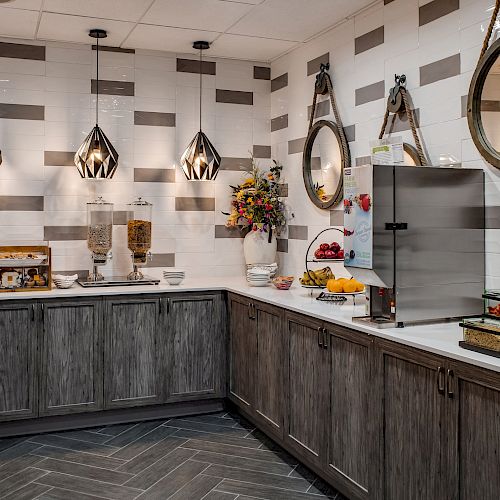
(200, 161)
(96, 158)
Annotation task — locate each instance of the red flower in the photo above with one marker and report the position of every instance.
(269, 207)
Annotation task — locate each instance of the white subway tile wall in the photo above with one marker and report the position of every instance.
(436, 44)
(149, 110)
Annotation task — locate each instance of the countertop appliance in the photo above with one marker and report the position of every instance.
(415, 235)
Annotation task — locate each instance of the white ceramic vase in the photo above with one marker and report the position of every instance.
(257, 248)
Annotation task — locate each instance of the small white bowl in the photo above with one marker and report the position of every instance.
(173, 281)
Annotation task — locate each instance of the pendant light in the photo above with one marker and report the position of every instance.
(200, 161)
(96, 158)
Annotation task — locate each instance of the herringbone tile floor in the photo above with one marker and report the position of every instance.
(210, 457)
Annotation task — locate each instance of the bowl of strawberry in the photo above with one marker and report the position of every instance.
(332, 251)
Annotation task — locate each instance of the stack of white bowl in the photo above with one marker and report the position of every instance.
(62, 281)
(174, 276)
(258, 277)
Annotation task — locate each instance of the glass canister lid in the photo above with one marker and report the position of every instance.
(140, 202)
(99, 201)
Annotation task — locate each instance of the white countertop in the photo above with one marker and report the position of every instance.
(440, 338)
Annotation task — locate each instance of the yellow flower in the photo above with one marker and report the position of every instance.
(250, 201)
(248, 182)
(240, 195)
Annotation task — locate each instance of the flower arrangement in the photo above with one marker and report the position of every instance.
(256, 203)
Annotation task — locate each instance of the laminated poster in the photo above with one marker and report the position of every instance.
(387, 151)
(358, 217)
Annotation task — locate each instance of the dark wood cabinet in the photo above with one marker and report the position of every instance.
(271, 367)
(133, 375)
(351, 424)
(195, 345)
(308, 388)
(18, 369)
(411, 423)
(70, 357)
(473, 431)
(242, 352)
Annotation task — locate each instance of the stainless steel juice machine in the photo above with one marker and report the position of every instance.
(415, 236)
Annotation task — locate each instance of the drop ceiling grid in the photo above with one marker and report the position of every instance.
(258, 30)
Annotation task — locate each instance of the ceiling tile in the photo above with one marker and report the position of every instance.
(25, 4)
(196, 14)
(121, 10)
(294, 19)
(147, 36)
(18, 23)
(244, 47)
(65, 28)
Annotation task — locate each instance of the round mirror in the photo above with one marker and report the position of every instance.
(323, 164)
(483, 105)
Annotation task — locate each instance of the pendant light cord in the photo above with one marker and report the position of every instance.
(97, 85)
(201, 84)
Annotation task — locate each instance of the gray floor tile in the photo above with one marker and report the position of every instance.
(89, 437)
(218, 438)
(62, 494)
(17, 481)
(72, 444)
(197, 488)
(28, 492)
(219, 495)
(18, 464)
(114, 430)
(210, 428)
(133, 433)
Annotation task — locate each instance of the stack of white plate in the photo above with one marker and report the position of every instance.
(258, 277)
(174, 276)
(272, 268)
(62, 281)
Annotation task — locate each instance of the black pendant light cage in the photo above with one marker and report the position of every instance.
(200, 161)
(96, 158)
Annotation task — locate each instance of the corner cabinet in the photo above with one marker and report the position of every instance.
(70, 357)
(195, 330)
(19, 329)
(133, 374)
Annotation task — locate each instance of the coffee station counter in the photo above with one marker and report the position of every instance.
(438, 338)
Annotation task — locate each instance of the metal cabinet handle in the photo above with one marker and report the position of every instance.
(320, 336)
(440, 379)
(160, 307)
(325, 338)
(254, 314)
(249, 310)
(449, 383)
(32, 312)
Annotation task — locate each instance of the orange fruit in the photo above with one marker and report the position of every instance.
(335, 286)
(349, 286)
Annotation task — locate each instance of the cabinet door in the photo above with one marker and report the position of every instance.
(242, 352)
(197, 346)
(350, 437)
(131, 376)
(308, 386)
(70, 358)
(474, 432)
(413, 410)
(271, 364)
(18, 341)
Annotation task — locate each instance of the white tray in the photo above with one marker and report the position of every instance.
(23, 262)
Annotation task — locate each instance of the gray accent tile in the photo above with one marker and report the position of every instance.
(492, 216)
(363, 160)
(120, 217)
(322, 109)
(64, 233)
(440, 70)
(369, 93)
(350, 133)
(282, 245)
(369, 40)
(491, 106)
(261, 151)
(22, 111)
(193, 66)
(298, 232)
(313, 66)
(162, 260)
(296, 145)
(154, 118)
(228, 232)
(399, 122)
(261, 73)
(191, 204)
(113, 87)
(106, 48)
(234, 97)
(336, 218)
(21, 203)
(464, 105)
(283, 190)
(59, 158)
(279, 82)
(279, 123)
(236, 164)
(154, 175)
(22, 51)
(436, 9)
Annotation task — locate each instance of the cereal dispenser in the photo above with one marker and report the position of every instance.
(139, 217)
(99, 235)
